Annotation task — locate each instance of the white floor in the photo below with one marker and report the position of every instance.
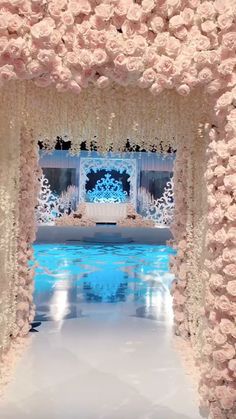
(110, 364)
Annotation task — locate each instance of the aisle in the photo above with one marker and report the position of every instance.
(109, 365)
(104, 349)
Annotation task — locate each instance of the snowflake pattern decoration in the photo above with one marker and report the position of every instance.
(107, 189)
(162, 210)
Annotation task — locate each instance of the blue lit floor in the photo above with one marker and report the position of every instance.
(71, 279)
(104, 349)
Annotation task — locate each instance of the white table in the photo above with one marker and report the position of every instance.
(106, 212)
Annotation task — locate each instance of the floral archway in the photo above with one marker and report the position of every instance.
(161, 73)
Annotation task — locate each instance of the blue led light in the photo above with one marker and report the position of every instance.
(107, 189)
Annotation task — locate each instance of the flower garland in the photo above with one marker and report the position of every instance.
(105, 119)
(9, 184)
(28, 194)
(178, 228)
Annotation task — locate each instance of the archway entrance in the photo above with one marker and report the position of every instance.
(150, 46)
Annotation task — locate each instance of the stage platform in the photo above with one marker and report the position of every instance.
(103, 234)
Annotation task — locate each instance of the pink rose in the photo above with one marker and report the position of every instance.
(216, 281)
(216, 412)
(35, 68)
(104, 11)
(176, 22)
(229, 350)
(223, 7)
(211, 200)
(98, 38)
(224, 199)
(231, 236)
(43, 29)
(219, 356)
(134, 13)
(67, 18)
(223, 303)
(99, 56)
(187, 15)
(226, 399)
(72, 58)
(172, 46)
(55, 37)
(129, 47)
(46, 56)
(113, 46)
(15, 47)
(219, 171)
(7, 73)
(141, 45)
(230, 183)
(208, 26)
(74, 87)
(202, 43)
(206, 10)
(181, 33)
(102, 82)
(164, 65)
(225, 20)
(79, 7)
(148, 5)
(156, 88)
(121, 8)
(227, 326)
(129, 29)
(15, 23)
(232, 365)
(232, 145)
(54, 11)
(227, 66)
(230, 269)
(222, 149)
(161, 40)
(215, 216)
(85, 59)
(173, 6)
(62, 74)
(231, 288)
(219, 338)
(205, 75)
(134, 64)
(156, 24)
(149, 76)
(229, 41)
(120, 60)
(231, 213)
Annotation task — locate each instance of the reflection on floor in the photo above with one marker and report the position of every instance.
(105, 350)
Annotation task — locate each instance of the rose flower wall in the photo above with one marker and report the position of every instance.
(161, 73)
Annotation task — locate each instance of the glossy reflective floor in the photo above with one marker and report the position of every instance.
(104, 349)
(70, 279)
